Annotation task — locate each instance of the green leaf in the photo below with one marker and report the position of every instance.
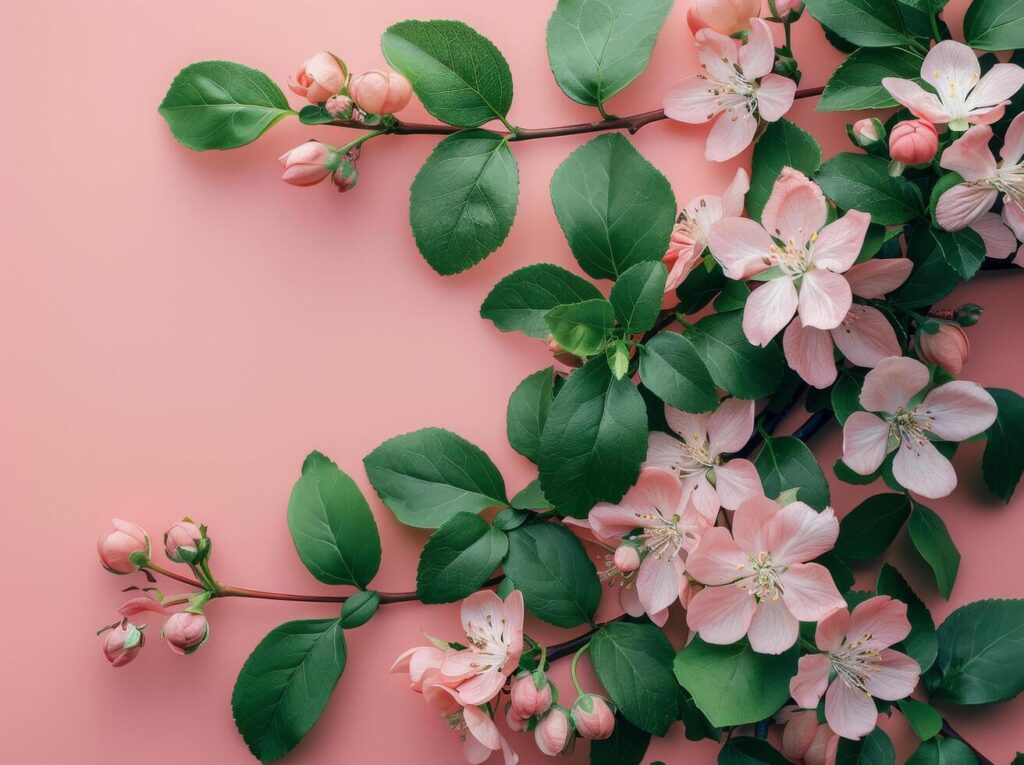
(359, 608)
(700, 287)
(314, 114)
(923, 719)
(222, 105)
(746, 750)
(867, 23)
(846, 394)
(921, 644)
(857, 83)
(862, 182)
(782, 145)
(672, 369)
(594, 440)
(995, 24)
(463, 200)
(786, 463)
(615, 207)
(581, 328)
(1003, 460)
(285, 684)
(636, 296)
(530, 498)
(332, 526)
(869, 529)
(458, 558)
(932, 278)
(520, 301)
(736, 366)
(696, 725)
(457, 73)
(943, 751)
(626, 746)
(548, 564)
(528, 411)
(634, 664)
(733, 297)
(428, 476)
(980, 646)
(874, 749)
(597, 47)
(732, 684)
(931, 538)
(963, 251)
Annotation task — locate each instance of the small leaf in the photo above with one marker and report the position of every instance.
(782, 145)
(528, 411)
(672, 370)
(530, 498)
(921, 644)
(874, 749)
(581, 328)
(923, 719)
(458, 558)
(861, 182)
(931, 538)
(1003, 460)
(869, 529)
(636, 296)
(359, 608)
(786, 463)
(521, 300)
(846, 395)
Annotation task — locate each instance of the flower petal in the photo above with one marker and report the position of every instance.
(481, 688)
(810, 594)
(866, 337)
(657, 583)
(799, 533)
(717, 560)
(717, 54)
(730, 426)
(798, 733)
(721, 615)
(865, 442)
(881, 617)
(831, 631)
(895, 679)
(735, 194)
(482, 728)
(892, 384)
(775, 96)
(698, 489)
(825, 299)
(920, 468)
(923, 104)
(878, 276)
(751, 525)
(692, 428)
(773, 628)
(849, 711)
(963, 205)
(811, 680)
(1013, 143)
(741, 246)
(769, 308)
(999, 240)
(995, 88)
(959, 410)
(736, 481)
(840, 242)
(757, 57)
(970, 155)
(824, 749)
(952, 69)
(482, 607)
(663, 451)
(732, 132)
(796, 208)
(809, 353)
(690, 101)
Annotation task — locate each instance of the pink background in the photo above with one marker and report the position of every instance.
(180, 329)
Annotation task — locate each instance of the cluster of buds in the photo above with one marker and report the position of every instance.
(533, 706)
(313, 161)
(910, 143)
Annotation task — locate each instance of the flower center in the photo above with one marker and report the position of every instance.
(487, 640)
(1010, 181)
(735, 92)
(795, 258)
(911, 426)
(852, 662)
(953, 94)
(663, 540)
(766, 583)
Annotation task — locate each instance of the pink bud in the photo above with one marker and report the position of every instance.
(725, 16)
(185, 632)
(345, 177)
(531, 695)
(141, 604)
(865, 131)
(339, 107)
(593, 717)
(913, 142)
(380, 92)
(626, 559)
(949, 347)
(308, 163)
(181, 542)
(121, 644)
(117, 547)
(515, 723)
(323, 75)
(785, 7)
(554, 732)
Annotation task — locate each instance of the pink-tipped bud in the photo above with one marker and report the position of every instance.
(346, 176)
(626, 558)
(182, 542)
(515, 723)
(783, 8)
(323, 75)
(913, 142)
(949, 347)
(553, 733)
(379, 92)
(309, 163)
(122, 643)
(593, 717)
(531, 694)
(185, 632)
(340, 107)
(866, 131)
(120, 551)
(725, 16)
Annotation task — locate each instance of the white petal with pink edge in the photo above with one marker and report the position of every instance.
(825, 299)
(892, 383)
(865, 442)
(959, 410)
(769, 308)
(920, 468)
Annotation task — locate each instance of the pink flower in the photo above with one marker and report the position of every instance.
(379, 92)
(964, 96)
(690, 234)
(554, 732)
(117, 548)
(185, 632)
(530, 694)
(724, 16)
(323, 75)
(738, 86)
(656, 516)
(949, 347)
(709, 480)
(951, 412)
(122, 643)
(418, 662)
(309, 163)
(593, 717)
(855, 646)
(864, 336)
(181, 542)
(805, 272)
(758, 581)
(804, 740)
(984, 177)
(494, 632)
(913, 142)
(481, 737)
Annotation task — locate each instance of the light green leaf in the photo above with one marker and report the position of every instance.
(458, 558)
(672, 370)
(520, 301)
(869, 529)
(932, 540)
(1003, 460)
(924, 720)
(782, 145)
(868, 23)
(857, 83)
(862, 182)
(581, 328)
(744, 370)
(528, 411)
(636, 296)
(995, 24)
(786, 463)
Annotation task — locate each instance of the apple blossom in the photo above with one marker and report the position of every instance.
(913, 142)
(309, 163)
(120, 549)
(182, 541)
(724, 16)
(554, 732)
(530, 694)
(867, 131)
(319, 78)
(379, 92)
(804, 740)
(948, 347)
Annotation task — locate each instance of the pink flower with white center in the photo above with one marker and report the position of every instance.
(804, 740)
(494, 632)
(801, 260)
(855, 646)
(984, 178)
(951, 412)
(964, 96)
(656, 517)
(690, 234)
(757, 579)
(480, 736)
(864, 337)
(736, 84)
(709, 480)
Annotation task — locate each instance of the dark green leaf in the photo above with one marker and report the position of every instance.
(857, 83)
(921, 644)
(700, 287)
(530, 498)
(736, 366)
(359, 608)
(696, 725)
(786, 463)
(869, 529)
(782, 145)
(861, 182)
(746, 750)
(931, 538)
(943, 751)
(874, 749)
(528, 410)
(314, 114)
(458, 558)
(841, 573)
(923, 719)
(932, 278)
(1003, 461)
(636, 296)
(846, 394)
(732, 297)
(581, 328)
(626, 746)
(521, 299)
(995, 24)
(868, 23)
(671, 369)
(963, 251)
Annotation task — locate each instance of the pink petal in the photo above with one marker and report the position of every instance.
(703, 495)
(999, 240)
(809, 353)
(717, 54)
(717, 559)
(630, 601)
(850, 712)
(810, 594)
(139, 605)
(959, 410)
(657, 582)
(482, 727)
(824, 749)
(865, 442)
(963, 205)
(732, 132)
(811, 680)
(692, 428)
(892, 384)
(773, 628)
(866, 337)
(1013, 216)
(769, 308)
(920, 468)
(879, 276)
(881, 617)
(690, 101)
(825, 299)
(736, 481)
(757, 57)
(952, 69)
(832, 630)
(796, 208)
(799, 733)
(751, 526)
(730, 426)
(970, 155)
(995, 88)
(775, 96)
(656, 489)
(799, 533)
(840, 242)
(480, 608)
(663, 451)
(735, 194)
(459, 665)
(1013, 143)
(721, 615)
(481, 688)
(741, 246)
(515, 612)
(896, 678)
(923, 104)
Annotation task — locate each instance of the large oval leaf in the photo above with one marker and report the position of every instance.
(782, 145)
(857, 83)
(673, 371)
(861, 182)
(868, 23)
(528, 411)
(869, 529)
(520, 301)
(995, 24)
(1003, 460)
(458, 558)
(744, 370)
